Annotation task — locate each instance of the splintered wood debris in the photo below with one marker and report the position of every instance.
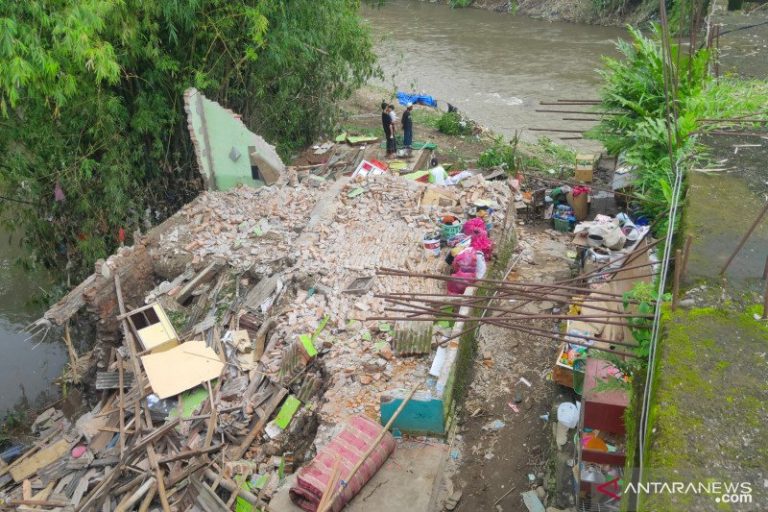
(263, 328)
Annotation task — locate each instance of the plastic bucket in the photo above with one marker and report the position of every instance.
(432, 244)
(450, 228)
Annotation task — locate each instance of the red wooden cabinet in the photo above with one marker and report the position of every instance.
(603, 410)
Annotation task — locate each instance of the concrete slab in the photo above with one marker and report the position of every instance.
(407, 481)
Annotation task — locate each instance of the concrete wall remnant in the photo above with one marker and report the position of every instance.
(228, 154)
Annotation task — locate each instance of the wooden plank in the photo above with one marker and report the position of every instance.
(41, 459)
(260, 339)
(202, 277)
(148, 499)
(111, 380)
(121, 403)
(159, 475)
(28, 453)
(38, 503)
(156, 434)
(236, 452)
(66, 308)
(44, 493)
(188, 454)
(26, 489)
(129, 501)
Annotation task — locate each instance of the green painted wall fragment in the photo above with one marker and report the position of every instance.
(306, 340)
(287, 411)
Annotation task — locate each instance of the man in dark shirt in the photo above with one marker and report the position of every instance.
(408, 126)
(389, 130)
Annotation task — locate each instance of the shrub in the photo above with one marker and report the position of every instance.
(500, 154)
(452, 123)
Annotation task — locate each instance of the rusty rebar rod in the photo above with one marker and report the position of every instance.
(765, 270)
(587, 346)
(384, 271)
(579, 112)
(528, 316)
(417, 311)
(745, 238)
(507, 325)
(581, 336)
(561, 130)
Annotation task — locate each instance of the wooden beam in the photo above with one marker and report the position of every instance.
(232, 487)
(156, 434)
(188, 454)
(202, 277)
(237, 452)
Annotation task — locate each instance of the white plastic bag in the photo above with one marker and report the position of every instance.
(480, 267)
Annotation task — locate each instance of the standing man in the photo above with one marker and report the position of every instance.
(389, 129)
(408, 127)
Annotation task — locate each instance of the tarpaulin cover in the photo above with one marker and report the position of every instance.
(405, 98)
(348, 448)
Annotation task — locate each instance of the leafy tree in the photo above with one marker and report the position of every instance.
(92, 127)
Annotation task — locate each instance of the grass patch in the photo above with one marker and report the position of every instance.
(707, 415)
(426, 117)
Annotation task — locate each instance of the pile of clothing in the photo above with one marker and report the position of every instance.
(469, 256)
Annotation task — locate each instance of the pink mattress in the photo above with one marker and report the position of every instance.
(348, 447)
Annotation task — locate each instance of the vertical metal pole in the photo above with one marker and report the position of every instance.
(686, 253)
(765, 302)
(745, 238)
(676, 283)
(765, 270)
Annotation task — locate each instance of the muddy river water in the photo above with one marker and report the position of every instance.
(494, 67)
(26, 368)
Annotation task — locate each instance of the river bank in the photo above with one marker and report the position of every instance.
(572, 11)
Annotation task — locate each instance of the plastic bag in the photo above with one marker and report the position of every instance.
(458, 287)
(480, 266)
(465, 262)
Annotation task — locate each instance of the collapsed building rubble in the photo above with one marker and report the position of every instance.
(233, 345)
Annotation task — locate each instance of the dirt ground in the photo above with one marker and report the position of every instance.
(484, 463)
(361, 115)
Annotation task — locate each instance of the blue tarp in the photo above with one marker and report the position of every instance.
(405, 98)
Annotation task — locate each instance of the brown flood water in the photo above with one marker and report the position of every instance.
(494, 67)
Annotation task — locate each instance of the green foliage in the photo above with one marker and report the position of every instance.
(460, 3)
(643, 134)
(556, 154)
(544, 155)
(91, 102)
(426, 117)
(452, 123)
(640, 300)
(499, 154)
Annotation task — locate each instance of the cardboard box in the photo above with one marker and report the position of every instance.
(584, 174)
